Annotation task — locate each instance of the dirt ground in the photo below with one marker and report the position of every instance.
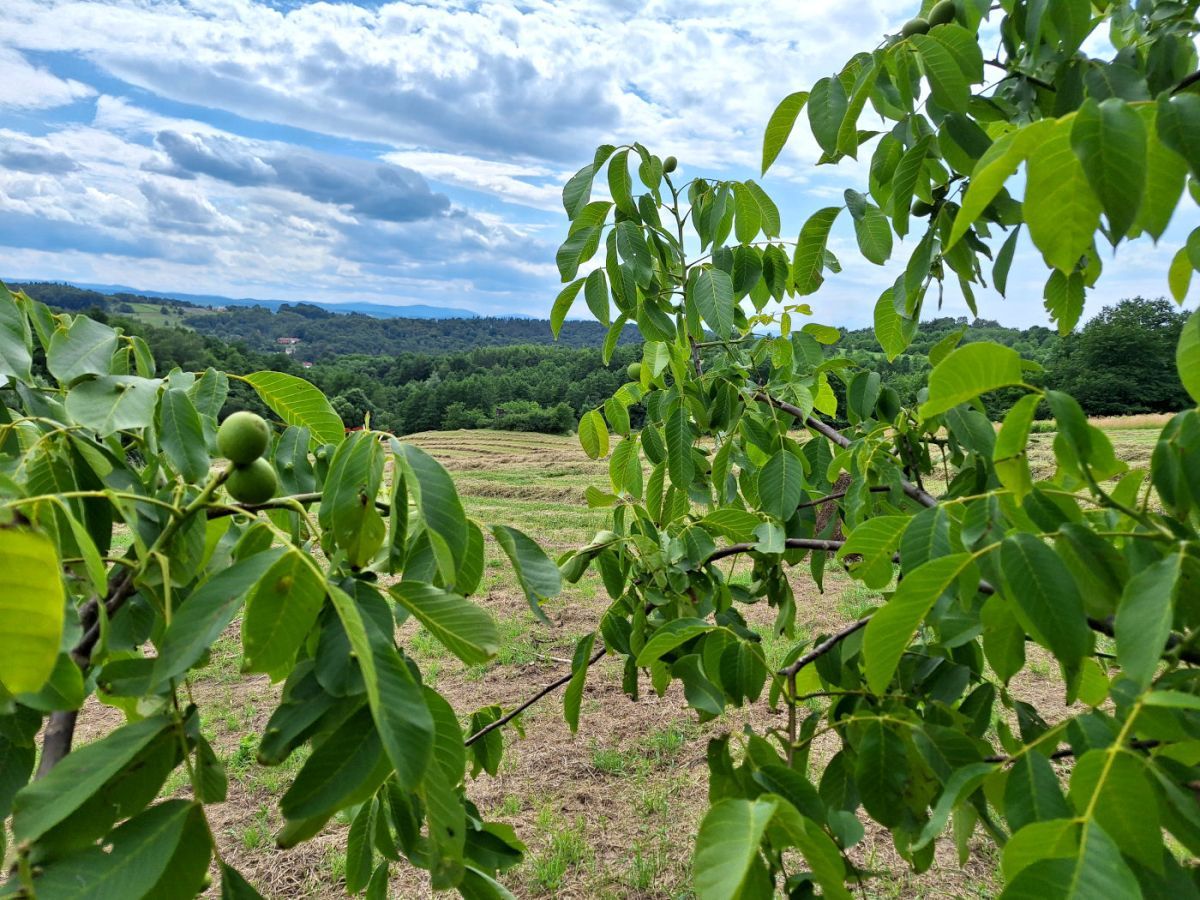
(610, 812)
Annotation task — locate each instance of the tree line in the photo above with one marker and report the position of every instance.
(1116, 364)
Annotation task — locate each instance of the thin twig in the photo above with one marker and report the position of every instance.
(913, 491)
(548, 689)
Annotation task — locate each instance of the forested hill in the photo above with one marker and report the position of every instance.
(321, 333)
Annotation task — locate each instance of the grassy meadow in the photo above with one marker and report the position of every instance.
(610, 812)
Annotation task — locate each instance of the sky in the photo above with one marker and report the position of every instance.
(414, 153)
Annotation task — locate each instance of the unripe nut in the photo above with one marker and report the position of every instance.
(915, 26)
(243, 437)
(943, 13)
(253, 483)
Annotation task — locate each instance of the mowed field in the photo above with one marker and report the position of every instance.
(611, 811)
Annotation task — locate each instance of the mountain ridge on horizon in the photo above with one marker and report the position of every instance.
(367, 308)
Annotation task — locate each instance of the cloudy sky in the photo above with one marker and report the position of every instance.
(410, 153)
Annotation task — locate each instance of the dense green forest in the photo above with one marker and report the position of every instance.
(1118, 363)
(321, 333)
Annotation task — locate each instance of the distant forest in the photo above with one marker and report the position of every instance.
(509, 374)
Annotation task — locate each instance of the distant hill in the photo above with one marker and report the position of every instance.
(311, 331)
(378, 310)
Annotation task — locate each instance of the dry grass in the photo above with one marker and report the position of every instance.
(609, 812)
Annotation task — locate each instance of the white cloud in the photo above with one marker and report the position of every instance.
(24, 86)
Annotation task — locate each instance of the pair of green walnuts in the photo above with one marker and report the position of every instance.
(943, 13)
(243, 439)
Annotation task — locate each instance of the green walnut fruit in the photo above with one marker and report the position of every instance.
(921, 209)
(943, 13)
(915, 26)
(670, 164)
(253, 483)
(604, 537)
(634, 371)
(243, 438)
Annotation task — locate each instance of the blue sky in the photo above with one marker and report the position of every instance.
(413, 153)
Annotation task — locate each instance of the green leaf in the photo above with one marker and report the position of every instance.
(208, 612)
(678, 432)
(81, 773)
(1095, 869)
(882, 772)
(1056, 839)
(904, 182)
(280, 609)
(336, 771)
(631, 246)
(1010, 455)
(85, 348)
(437, 499)
(16, 341)
(537, 574)
(712, 293)
(768, 211)
(1032, 793)
(826, 109)
(893, 331)
(593, 434)
(735, 524)
(579, 669)
(998, 163)
(969, 371)
(464, 628)
(1166, 172)
(595, 292)
(727, 846)
(818, 850)
(669, 636)
(959, 786)
(578, 191)
(1187, 356)
(297, 402)
(31, 608)
(1144, 617)
(1064, 299)
(875, 540)
(781, 485)
(1179, 276)
(620, 184)
(402, 718)
(779, 127)
(1060, 208)
(562, 305)
(235, 887)
(809, 258)
(1178, 124)
(347, 511)
(891, 628)
(1004, 261)
(947, 81)
(874, 235)
(1044, 591)
(1112, 786)
(113, 403)
(141, 850)
(181, 435)
(625, 468)
(1110, 140)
